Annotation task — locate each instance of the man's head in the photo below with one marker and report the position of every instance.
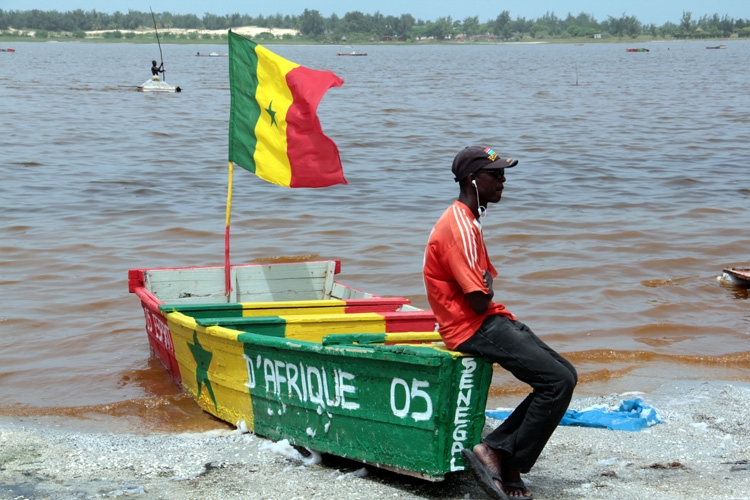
(481, 174)
(153, 63)
(472, 159)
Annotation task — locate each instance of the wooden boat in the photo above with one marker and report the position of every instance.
(156, 84)
(351, 54)
(716, 47)
(212, 54)
(739, 276)
(293, 354)
(631, 49)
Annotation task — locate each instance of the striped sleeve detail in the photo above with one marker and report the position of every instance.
(466, 228)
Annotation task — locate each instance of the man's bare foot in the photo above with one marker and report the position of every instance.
(489, 459)
(513, 485)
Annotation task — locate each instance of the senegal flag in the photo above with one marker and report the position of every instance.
(274, 129)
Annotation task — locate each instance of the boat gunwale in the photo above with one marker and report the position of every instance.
(376, 342)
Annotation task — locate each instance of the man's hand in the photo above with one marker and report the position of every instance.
(488, 282)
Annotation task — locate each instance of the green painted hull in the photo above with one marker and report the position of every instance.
(407, 407)
(403, 407)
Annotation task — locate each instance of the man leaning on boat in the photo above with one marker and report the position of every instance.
(458, 278)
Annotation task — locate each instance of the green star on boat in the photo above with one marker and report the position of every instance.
(203, 361)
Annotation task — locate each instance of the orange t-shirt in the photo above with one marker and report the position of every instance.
(454, 261)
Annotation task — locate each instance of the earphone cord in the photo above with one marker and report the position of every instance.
(482, 210)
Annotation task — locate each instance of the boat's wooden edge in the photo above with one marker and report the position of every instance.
(137, 275)
(736, 276)
(407, 472)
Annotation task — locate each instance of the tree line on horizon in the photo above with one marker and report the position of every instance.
(357, 26)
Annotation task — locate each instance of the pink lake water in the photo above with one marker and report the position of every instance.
(630, 197)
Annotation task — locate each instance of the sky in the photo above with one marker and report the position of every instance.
(647, 11)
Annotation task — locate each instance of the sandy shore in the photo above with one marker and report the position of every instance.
(250, 31)
(242, 30)
(702, 450)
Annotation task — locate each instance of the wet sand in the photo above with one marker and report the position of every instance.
(702, 448)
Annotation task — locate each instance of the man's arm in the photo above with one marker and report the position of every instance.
(480, 301)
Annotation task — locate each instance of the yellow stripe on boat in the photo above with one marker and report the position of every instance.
(407, 337)
(312, 328)
(328, 306)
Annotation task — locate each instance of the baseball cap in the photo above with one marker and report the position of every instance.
(474, 158)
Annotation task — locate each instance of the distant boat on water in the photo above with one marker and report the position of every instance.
(352, 53)
(716, 47)
(212, 54)
(640, 49)
(7, 50)
(156, 84)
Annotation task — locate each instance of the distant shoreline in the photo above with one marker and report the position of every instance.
(5, 40)
(179, 36)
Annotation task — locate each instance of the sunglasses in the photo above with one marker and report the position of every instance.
(497, 173)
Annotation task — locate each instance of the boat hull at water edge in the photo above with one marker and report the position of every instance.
(738, 276)
(292, 354)
(157, 85)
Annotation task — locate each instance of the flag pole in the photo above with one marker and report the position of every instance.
(227, 266)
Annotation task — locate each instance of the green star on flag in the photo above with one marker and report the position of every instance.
(271, 112)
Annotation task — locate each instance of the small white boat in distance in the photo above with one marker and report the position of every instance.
(156, 84)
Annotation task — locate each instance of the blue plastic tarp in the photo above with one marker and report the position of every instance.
(632, 415)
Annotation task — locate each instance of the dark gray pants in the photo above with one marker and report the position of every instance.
(511, 344)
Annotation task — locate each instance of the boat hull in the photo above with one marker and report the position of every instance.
(157, 85)
(408, 408)
(333, 379)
